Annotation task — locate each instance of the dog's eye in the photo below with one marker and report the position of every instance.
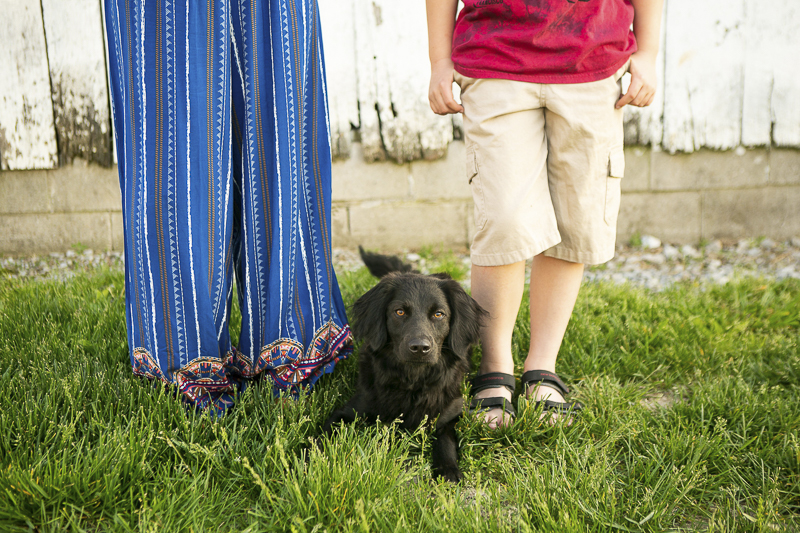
(438, 314)
(400, 312)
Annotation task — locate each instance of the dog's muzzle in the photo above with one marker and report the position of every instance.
(421, 351)
(419, 346)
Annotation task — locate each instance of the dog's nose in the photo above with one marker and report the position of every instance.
(419, 346)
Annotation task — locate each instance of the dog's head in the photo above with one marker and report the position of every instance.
(418, 318)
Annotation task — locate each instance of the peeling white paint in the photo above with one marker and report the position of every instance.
(771, 110)
(339, 42)
(704, 74)
(27, 135)
(76, 54)
(727, 77)
(367, 81)
(393, 74)
(643, 125)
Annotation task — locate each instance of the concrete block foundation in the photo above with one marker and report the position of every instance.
(680, 198)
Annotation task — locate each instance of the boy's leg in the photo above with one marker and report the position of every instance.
(553, 291)
(585, 164)
(514, 216)
(498, 289)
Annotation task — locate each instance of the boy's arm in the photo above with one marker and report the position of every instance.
(647, 29)
(441, 21)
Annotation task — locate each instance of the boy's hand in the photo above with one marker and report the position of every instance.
(642, 89)
(440, 92)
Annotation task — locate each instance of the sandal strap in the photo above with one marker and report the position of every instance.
(546, 377)
(491, 380)
(485, 404)
(561, 408)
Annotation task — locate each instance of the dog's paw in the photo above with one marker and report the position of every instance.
(449, 473)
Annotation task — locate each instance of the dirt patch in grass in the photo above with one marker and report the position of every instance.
(661, 400)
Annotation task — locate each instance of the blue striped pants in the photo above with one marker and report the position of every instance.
(223, 145)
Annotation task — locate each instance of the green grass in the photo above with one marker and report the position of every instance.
(443, 260)
(84, 445)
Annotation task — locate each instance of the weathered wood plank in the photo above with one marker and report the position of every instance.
(643, 124)
(400, 140)
(703, 74)
(367, 82)
(74, 31)
(108, 80)
(392, 54)
(412, 126)
(27, 135)
(771, 108)
(758, 82)
(339, 42)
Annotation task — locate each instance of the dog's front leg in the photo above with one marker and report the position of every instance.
(444, 451)
(345, 414)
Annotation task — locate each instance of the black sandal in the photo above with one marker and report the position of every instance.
(549, 379)
(491, 380)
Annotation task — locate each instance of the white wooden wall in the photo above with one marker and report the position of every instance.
(76, 53)
(377, 57)
(53, 91)
(27, 133)
(729, 77)
(731, 74)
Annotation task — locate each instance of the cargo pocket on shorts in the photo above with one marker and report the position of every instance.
(616, 169)
(473, 175)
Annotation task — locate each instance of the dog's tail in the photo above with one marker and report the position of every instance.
(380, 265)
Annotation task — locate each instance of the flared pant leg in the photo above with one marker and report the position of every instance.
(224, 164)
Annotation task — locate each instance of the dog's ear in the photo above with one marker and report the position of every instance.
(369, 314)
(467, 317)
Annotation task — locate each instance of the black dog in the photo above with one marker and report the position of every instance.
(418, 332)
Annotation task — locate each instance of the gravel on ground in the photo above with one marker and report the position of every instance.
(648, 263)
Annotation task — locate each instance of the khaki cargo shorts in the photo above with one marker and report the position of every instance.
(544, 162)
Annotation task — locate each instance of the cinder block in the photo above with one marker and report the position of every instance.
(29, 234)
(637, 169)
(117, 231)
(340, 227)
(395, 225)
(708, 169)
(81, 187)
(353, 179)
(769, 212)
(784, 166)
(671, 216)
(24, 191)
(443, 179)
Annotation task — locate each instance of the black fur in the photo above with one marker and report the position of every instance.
(411, 365)
(380, 265)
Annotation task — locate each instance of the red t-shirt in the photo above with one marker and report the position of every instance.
(543, 41)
